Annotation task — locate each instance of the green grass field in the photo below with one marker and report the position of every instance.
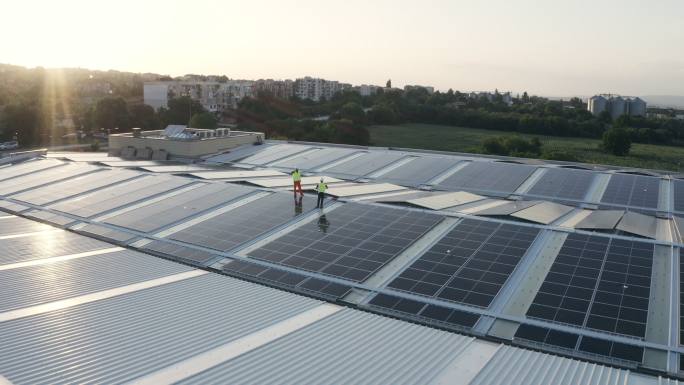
(461, 139)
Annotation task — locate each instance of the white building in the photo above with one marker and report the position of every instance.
(215, 96)
(316, 89)
(283, 89)
(616, 105)
(366, 89)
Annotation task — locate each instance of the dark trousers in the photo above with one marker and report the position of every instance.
(321, 197)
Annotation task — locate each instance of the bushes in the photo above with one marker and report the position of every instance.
(617, 141)
(512, 146)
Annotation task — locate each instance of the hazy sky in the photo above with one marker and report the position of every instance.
(549, 47)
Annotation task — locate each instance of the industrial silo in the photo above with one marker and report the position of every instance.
(596, 104)
(618, 107)
(637, 107)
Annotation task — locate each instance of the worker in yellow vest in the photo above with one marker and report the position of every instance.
(297, 179)
(320, 188)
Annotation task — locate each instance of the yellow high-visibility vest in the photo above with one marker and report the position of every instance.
(322, 187)
(296, 176)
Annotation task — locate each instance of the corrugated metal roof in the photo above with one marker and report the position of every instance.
(350, 347)
(29, 286)
(513, 366)
(122, 338)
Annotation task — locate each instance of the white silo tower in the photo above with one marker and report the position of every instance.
(617, 107)
(597, 104)
(637, 107)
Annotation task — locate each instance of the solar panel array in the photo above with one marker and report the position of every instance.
(678, 195)
(431, 313)
(351, 242)
(632, 190)
(681, 301)
(234, 227)
(273, 153)
(489, 177)
(277, 277)
(27, 167)
(315, 159)
(582, 344)
(119, 195)
(470, 264)
(365, 164)
(563, 183)
(39, 178)
(420, 170)
(167, 211)
(60, 190)
(598, 283)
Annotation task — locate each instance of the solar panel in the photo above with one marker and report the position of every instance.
(244, 223)
(273, 153)
(611, 349)
(119, 195)
(489, 177)
(184, 253)
(27, 168)
(313, 160)
(632, 190)
(350, 242)
(421, 310)
(420, 170)
(470, 264)
(294, 281)
(584, 344)
(42, 177)
(547, 336)
(681, 303)
(159, 214)
(107, 233)
(60, 190)
(366, 163)
(563, 183)
(599, 283)
(678, 195)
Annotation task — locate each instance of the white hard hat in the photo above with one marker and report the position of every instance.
(321, 179)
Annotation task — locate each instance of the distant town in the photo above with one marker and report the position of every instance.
(41, 107)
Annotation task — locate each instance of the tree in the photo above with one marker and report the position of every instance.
(180, 110)
(525, 97)
(24, 120)
(352, 111)
(144, 116)
(617, 141)
(389, 83)
(111, 113)
(204, 120)
(494, 146)
(383, 114)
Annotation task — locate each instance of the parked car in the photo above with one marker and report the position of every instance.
(12, 145)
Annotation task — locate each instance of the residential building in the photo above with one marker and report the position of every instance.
(616, 105)
(283, 89)
(215, 96)
(316, 88)
(366, 90)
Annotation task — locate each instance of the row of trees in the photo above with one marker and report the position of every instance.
(296, 119)
(32, 126)
(113, 113)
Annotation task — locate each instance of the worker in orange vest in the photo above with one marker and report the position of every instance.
(297, 179)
